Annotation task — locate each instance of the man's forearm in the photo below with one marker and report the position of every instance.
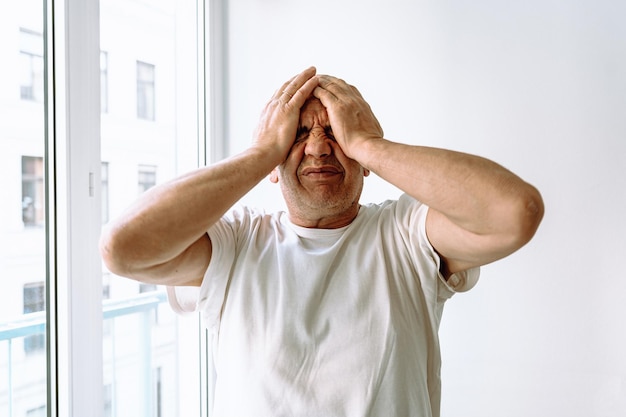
(168, 219)
(475, 193)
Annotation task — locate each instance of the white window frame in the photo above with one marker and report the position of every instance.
(73, 219)
(73, 161)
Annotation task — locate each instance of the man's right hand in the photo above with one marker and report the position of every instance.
(279, 120)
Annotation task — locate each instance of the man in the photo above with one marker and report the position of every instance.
(333, 308)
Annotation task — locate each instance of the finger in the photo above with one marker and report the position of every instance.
(326, 79)
(280, 91)
(324, 95)
(337, 87)
(293, 86)
(303, 93)
(328, 82)
(356, 91)
(293, 81)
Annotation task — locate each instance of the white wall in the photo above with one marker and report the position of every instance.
(540, 87)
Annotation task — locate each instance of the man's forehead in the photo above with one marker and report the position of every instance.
(313, 110)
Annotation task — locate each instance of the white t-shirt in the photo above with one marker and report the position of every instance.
(325, 322)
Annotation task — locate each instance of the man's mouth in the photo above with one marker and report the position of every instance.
(325, 170)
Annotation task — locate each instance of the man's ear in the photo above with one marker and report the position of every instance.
(366, 172)
(274, 175)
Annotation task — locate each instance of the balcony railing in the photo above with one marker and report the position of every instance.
(35, 324)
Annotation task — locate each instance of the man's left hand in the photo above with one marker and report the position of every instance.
(351, 118)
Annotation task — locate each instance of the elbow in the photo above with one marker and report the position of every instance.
(113, 254)
(529, 213)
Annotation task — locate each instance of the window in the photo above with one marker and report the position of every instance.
(34, 301)
(143, 349)
(31, 65)
(104, 82)
(145, 91)
(73, 339)
(146, 177)
(32, 191)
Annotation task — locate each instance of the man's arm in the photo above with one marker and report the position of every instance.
(162, 237)
(479, 211)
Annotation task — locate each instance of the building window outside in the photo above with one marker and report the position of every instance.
(146, 177)
(104, 82)
(32, 191)
(31, 65)
(34, 301)
(145, 91)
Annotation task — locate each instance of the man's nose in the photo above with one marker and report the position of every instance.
(318, 144)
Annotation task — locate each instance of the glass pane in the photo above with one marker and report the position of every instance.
(145, 91)
(148, 76)
(23, 380)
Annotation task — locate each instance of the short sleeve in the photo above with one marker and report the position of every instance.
(209, 297)
(463, 281)
(416, 214)
(183, 300)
